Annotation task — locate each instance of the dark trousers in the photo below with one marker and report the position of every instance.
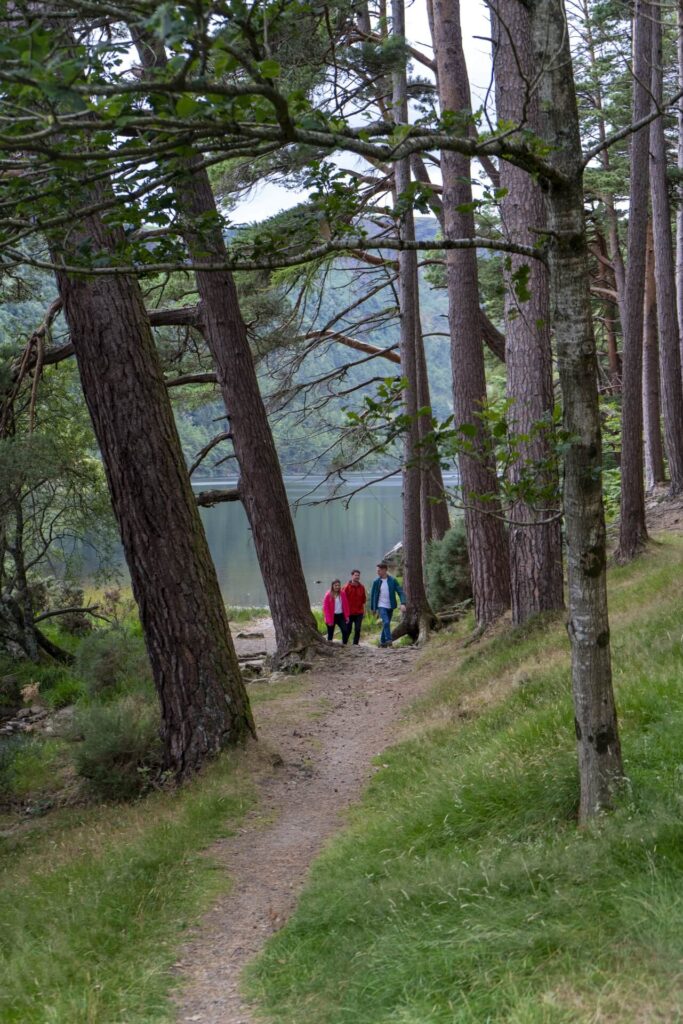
(355, 621)
(344, 628)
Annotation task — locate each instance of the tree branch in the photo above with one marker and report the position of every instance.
(206, 499)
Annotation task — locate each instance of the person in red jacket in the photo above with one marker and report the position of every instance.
(356, 596)
(336, 611)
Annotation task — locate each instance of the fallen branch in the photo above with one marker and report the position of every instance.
(206, 499)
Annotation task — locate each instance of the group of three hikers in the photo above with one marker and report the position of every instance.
(345, 606)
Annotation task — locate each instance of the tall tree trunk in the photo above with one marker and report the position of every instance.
(261, 485)
(611, 311)
(536, 577)
(599, 752)
(654, 449)
(607, 198)
(633, 531)
(679, 211)
(204, 705)
(671, 382)
(418, 618)
(433, 505)
(23, 593)
(486, 539)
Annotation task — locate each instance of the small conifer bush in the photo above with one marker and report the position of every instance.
(447, 569)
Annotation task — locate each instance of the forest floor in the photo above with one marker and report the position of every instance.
(318, 735)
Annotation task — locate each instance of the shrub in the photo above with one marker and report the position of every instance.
(110, 661)
(28, 767)
(48, 593)
(447, 570)
(65, 691)
(10, 690)
(120, 753)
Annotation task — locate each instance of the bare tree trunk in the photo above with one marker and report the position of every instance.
(433, 505)
(204, 705)
(261, 484)
(671, 382)
(608, 279)
(607, 198)
(654, 449)
(633, 531)
(418, 618)
(25, 603)
(599, 752)
(536, 577)
(486, 538)
(679, 211)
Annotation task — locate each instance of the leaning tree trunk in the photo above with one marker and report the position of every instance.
(665, 273)
(599, 751)
(536, 577)
(486, 538)
(418, 617)
(261, 485)
(654, 449)
(204, 705)
(632, 530)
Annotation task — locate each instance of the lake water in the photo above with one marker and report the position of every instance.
(333, 539)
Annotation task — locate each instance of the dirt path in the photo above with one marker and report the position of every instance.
(314, 755)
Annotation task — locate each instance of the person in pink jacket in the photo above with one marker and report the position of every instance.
(336, 611)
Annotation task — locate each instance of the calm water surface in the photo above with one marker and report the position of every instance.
(333, 539)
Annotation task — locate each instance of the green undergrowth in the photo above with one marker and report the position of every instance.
(463, 891)
(95, 901)
(246, 614)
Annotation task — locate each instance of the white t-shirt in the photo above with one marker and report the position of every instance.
(384, 601)
(337, 605)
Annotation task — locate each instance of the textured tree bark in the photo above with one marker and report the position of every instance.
(433, 506)
(204, 705)
(671, 382)
(633, 531)
(608, 279)
(418, 618)
(536, 575)
(607, 198)
(654, 449)
(679, 211)
(599, 752)
(21, 585)
(262, 489)
(486, 538)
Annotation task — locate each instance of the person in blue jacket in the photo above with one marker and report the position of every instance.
(384, 596)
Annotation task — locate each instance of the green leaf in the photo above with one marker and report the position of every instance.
(269, 68)
(186, 105)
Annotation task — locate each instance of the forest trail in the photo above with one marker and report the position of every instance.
(314, 754)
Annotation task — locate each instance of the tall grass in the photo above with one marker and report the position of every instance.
(93, 907)
(463, 892)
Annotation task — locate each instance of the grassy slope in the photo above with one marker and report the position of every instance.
(94, 902)
(463, 891)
